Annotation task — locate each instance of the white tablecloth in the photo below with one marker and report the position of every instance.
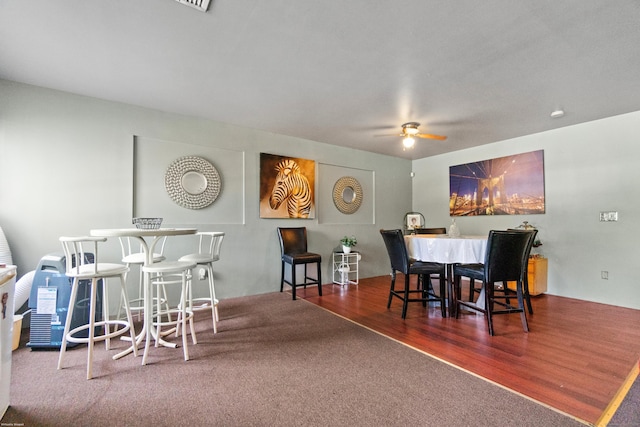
(447, 250)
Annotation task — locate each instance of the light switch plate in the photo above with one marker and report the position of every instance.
(608, 216)
(201, 5)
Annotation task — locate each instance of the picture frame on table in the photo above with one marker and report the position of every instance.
(413, 221)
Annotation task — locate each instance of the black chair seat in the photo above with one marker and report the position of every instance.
(420, 267)
(303, 258)
(293, 251)
(473, 271)
(400, 261)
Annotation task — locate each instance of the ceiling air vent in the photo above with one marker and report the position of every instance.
(201, 5)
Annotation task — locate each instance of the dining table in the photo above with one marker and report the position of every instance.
(148, 240)
(447, 250)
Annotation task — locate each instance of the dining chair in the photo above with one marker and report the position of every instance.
(209, 244)
(506, 253)
(503, 286)
(82, 263)
(400, 261)
(294, 252)
(525, 282)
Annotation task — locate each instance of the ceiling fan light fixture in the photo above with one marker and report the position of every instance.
(410, 128)
(408, 141)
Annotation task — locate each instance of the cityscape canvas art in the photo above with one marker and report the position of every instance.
(511, 185)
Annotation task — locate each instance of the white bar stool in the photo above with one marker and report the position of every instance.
(162, 274)
(81, 264)
(208, 253)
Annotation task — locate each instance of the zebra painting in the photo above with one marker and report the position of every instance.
(292, 186)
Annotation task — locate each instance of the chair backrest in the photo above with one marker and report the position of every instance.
(397, 250)
(436, 230)
(293, 240)
(132, 246)
(212, 239)
(506, 257)
(79, 251)
(532, 238)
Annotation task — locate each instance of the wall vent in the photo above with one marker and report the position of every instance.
(201, 5)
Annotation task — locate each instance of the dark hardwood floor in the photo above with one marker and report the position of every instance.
(576, 357)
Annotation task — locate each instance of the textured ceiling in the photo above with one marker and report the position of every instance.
(341, 72)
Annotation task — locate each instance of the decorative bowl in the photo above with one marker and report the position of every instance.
(147, 223)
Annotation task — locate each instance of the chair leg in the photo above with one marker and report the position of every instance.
(527, 297)
(183, 317)
(293, 280)
(392, 289)
(194, 339)
(282, 277)
(319, 280)
(92, 321)
(456, 295)
(67, 325)
(405, 302)
(132, 332)
(212, 295)
(443, 299)
(306, 276)
(488, 305)
(105, 314)
(523, 315)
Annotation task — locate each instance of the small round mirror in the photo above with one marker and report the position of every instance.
(194, 182)
(348, 194)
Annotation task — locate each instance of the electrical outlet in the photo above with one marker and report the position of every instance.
(604, 274)
(608, 216)
(202, 274)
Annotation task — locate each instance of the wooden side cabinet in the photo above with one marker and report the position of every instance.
(537, 276)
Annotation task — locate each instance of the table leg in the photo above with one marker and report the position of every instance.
(148, 331)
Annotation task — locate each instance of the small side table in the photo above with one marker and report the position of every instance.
(345, 268)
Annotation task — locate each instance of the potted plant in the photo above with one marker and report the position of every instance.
(348, 243)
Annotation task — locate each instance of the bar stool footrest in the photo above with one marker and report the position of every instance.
(100, 337)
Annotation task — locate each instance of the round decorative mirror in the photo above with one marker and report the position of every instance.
(192, 182)
(347, 194)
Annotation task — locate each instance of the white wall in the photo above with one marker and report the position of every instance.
(589, 168)
(66, 167)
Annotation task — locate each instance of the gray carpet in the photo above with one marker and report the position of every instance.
(273, 362)
(628, 414)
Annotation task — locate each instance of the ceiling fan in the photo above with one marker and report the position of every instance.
(410, 132)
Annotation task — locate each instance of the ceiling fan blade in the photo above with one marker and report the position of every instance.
(430, 136)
